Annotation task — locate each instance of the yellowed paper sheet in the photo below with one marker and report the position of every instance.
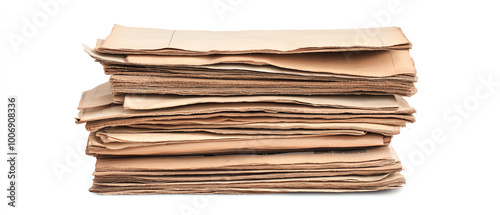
(382, 153)
(145, 102)
(181, 42)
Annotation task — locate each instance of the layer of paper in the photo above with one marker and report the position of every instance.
(145, 102)
(250, 145)
(278, 117)
(117, 111)
(146, 179)
(261, 41)
(237, 172)
(240, 191)
(398, 67)
(96, 97)
(371, 64)
(386, 130)
(382, 153)
(394, 179)
(256, 119)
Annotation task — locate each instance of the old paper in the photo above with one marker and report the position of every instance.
(248, 112)
(97, 97)
(117, 111)
(249, 145)
(340, 157)
(180, 42)
(144, 102)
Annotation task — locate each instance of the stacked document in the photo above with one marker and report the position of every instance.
(248, 111)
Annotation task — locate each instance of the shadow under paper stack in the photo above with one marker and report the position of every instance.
(248, 111)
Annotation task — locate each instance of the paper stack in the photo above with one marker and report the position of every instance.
(248, 111)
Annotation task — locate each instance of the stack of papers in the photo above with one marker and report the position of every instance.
(248, 111)
(322, 62)
(322, 171)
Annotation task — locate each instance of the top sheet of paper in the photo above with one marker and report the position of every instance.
(181, 42)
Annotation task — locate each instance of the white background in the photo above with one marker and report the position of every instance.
(451, 158)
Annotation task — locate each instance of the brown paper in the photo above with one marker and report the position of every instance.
(240, 131)
(142, 121)
(371, 64)
(395, 67)
(340, 158)
(394, 179)
(241, 112)
(250, 145)
(181, 42)
(207, 173)
(238, 191)
(96, 97)
(145, 102)
(257, 119)
(243, 72)
(146, 179)
(121, 84)
(341, 178)
(386, 130)
(117, 111)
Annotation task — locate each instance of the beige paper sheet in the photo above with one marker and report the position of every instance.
(386, 130)
(393, 179)
(117, 111)
(131, 81)
(235, 172)
(263, 145)
(341, 178)
(257, 119)
(146, 102)
(241, 72)
(179, 137)
(240, 131)
(96, 97)
(362, 89)
(132, 178)
(370, 64)
(99, 124)
(363, 69)
(356, 156)
(181, 42)
(246, 139)
(240, 191)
